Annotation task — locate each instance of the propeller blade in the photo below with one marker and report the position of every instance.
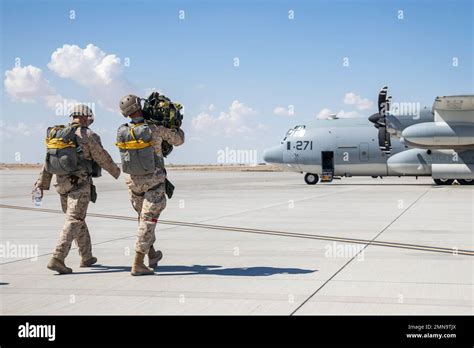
(385, 143)
(375, 118)
(382, 137)
(388, 142)
(382, 100)
(380, 121)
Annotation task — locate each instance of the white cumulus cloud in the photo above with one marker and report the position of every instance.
(357, 101)
(326, 113)
(26, 84)
(284, 111)
(351, 99)
(238, 119)
(99, 72)
(87, 66)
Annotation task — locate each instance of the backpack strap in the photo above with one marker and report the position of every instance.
(132, 126)
(134, 144)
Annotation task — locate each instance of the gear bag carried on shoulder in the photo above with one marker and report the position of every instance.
(136, 149)
(162, 111)
(61, 150)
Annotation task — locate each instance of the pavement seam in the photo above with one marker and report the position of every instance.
(134, 235)
(358, 253)
(256, 231)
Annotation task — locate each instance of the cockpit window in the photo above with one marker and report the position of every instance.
(297, 132)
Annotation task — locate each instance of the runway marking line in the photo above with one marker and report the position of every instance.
(417, 247)
(370, 242)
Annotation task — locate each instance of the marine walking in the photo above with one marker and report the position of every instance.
(150, 135)
(75, 155)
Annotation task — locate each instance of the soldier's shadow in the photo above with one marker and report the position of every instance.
(218, 270)
(204, 269)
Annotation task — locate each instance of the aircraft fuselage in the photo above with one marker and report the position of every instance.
(350, 147)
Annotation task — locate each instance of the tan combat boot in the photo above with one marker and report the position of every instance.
(58, 266)
(154, 256)
(138, 267)
(89, 262)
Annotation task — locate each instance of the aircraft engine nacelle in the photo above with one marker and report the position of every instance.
(440, 164)
(439, 135)
(410, 162)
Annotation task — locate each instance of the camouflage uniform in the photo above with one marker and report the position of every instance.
(75, 192)
(147, 192)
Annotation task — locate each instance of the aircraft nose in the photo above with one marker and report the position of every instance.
(273, 155)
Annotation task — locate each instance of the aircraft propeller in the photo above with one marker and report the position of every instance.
(379, 120)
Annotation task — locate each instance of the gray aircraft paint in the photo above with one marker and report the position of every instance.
(353, 141)
(438, 142)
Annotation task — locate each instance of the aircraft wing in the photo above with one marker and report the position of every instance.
(452, 128)
(454, 109)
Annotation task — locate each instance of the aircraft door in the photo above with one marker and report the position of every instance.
(364, 152)
(327, 164)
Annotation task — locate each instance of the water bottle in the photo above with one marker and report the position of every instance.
(37, 197)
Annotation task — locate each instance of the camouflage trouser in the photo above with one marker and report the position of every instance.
(74, 205)
(149, 206)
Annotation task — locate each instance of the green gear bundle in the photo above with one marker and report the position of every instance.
(161, 111)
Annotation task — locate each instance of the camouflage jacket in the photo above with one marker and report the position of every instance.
(92, 150)
(142, 183)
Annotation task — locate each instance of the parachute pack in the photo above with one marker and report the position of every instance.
(62, 156)
(161, 111)
(136, 149)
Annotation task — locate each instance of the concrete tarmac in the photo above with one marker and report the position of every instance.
(249, 243)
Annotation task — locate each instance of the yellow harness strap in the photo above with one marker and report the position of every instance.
(57, 143)
(134, 144)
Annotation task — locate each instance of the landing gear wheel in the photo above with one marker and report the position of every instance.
(465, 181)
(311, 179)
(443, 181)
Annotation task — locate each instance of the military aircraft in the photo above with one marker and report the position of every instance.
(436, 142)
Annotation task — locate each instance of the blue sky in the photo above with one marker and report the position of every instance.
(284, 64)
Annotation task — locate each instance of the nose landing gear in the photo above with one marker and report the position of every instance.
(311, 179)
